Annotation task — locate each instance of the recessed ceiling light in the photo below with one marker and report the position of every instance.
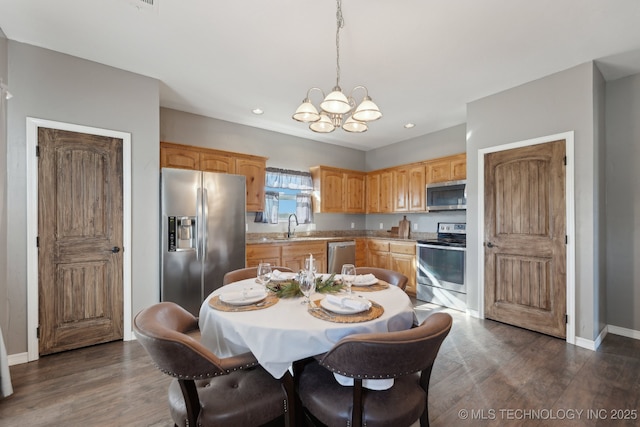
(409, 125)
(257, 111)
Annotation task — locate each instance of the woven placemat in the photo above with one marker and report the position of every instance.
(270, 300)
(380, 286)
(374, 312)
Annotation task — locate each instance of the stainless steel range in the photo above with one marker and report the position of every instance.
(441, 267)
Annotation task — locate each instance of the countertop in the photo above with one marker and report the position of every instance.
(255, 238)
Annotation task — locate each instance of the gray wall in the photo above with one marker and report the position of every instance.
(623, 202)
(4, 300)
(53, 86)
(558, 103)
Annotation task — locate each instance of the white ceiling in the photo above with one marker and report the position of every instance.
(422, 60)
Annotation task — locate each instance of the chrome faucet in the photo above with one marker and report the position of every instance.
(289, 233)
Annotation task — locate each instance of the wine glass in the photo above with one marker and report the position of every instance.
(307, 287)
(264, 273)
(348, 275)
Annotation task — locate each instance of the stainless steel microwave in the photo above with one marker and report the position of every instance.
(447, 196)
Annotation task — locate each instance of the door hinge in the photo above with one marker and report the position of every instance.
(37, 151)
(566, 239)
(37, 241)
(38, 332)
(564, 160)
(566, 318)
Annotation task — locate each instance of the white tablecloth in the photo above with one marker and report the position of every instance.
(285, 332)
(5, 378)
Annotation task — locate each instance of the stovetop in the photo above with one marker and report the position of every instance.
(449, 234)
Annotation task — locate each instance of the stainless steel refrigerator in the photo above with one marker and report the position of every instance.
(203, 233)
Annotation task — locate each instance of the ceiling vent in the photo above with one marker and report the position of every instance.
(145, 5)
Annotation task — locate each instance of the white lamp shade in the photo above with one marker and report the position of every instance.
(336, 102)
(351, 125)
(324, 125)
(306, 112)
(367, 111)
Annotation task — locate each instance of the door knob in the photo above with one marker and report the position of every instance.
(490, 245)
(115, 249)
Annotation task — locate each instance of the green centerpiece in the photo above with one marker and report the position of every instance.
(291, 288)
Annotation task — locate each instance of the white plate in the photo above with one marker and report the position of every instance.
(235, 298)
(366, 283)
(342, 310)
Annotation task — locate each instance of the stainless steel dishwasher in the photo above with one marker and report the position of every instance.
(340, 253)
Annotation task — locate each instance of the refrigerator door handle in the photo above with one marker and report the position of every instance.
(199, 218)
(205, 225)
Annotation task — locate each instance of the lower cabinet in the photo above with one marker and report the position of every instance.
(289, 254)
(396, 256)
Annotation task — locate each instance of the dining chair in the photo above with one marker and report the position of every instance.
(247, 273)
(208, 390)
(406, 356)
(389, 276)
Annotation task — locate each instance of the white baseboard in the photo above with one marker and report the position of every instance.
(629, 333)
(17, 359)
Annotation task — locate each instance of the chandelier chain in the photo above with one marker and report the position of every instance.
(339, 25)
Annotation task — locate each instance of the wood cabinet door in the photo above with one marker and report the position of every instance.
(182, 158)
(459, 168)
(401, 190)
(378, 259)
(439, 171)
(417, 188)
(263, 252)
(294, 254)
(354, 187)
(254, 171)
(386, 192)
(373, 192)
(332, 185)
(217, 163)
(361, 252)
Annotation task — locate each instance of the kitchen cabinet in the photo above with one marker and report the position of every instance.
(338, 190)
(257, 253)
(452, 168)
(287, 254)
(409, 188)
(294, 254)
(373, 193)
(402, 257)
(361, 252)
(394, 255)
(198, 158)
(400, 189)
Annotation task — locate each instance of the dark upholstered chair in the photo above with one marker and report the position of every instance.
(247, 273)
(389, 276)
(399, 355)
(208, 390)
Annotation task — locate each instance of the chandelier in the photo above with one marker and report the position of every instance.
(337, 109)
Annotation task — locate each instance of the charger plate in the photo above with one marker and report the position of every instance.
(216, 303)
(374, 312)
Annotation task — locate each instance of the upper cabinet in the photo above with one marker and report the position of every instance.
(338, 190)
(451, 168)
(209, 160)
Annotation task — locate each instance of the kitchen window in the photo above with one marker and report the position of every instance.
(286, 192)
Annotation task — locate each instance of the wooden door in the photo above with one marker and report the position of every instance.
(354, 193)
(386, 192)
(525, 250)
(80, 240)
(400, 190)
(254, 172)
(332, 186)
(417, 188)
(373, 193)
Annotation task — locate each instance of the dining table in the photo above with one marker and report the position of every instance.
(281, 331)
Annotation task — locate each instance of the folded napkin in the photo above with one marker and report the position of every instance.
(383, 384)
(242, 295)
(364, 278)
(281, 275)
(348, 302)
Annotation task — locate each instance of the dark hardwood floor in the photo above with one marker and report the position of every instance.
(486, 373)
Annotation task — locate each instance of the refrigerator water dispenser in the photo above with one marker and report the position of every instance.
(182, 233)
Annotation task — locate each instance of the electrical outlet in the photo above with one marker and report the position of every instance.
(381, 226)
(415, 226)
(353, 225)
